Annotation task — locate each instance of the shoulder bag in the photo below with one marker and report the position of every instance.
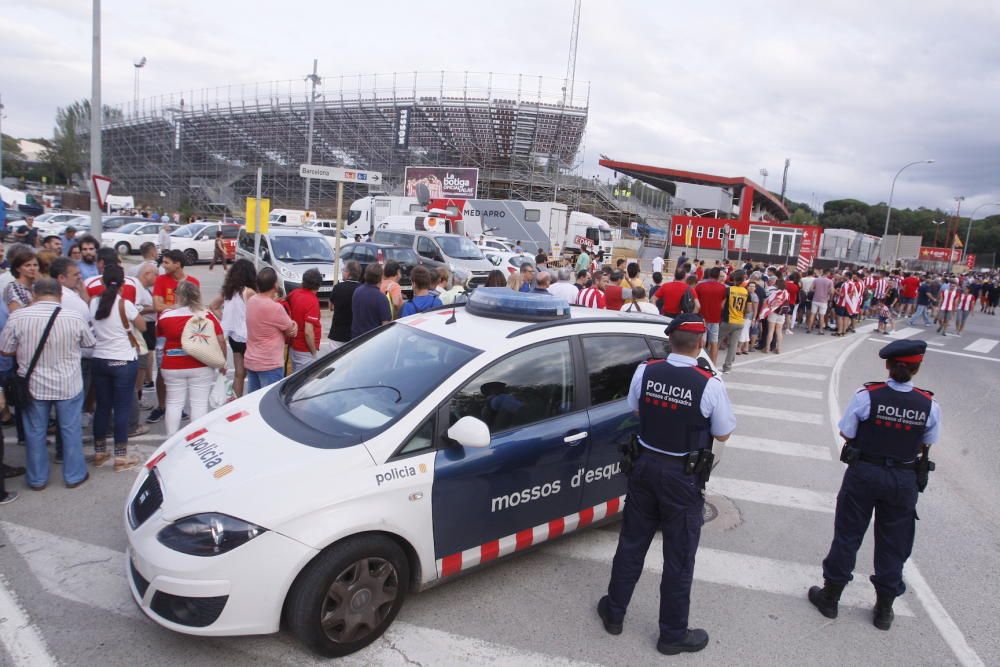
(199, 340)
(141, 349)
(16, 389)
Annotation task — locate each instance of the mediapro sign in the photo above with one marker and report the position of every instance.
(340, 174)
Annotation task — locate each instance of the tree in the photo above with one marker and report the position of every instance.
(69, 149)
(12, 157)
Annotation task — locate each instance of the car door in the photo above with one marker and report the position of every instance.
(204, 241)
(523, 479)
(146, 233)
(610, 362)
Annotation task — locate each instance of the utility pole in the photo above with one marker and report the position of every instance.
(96, 111)
(316, 80)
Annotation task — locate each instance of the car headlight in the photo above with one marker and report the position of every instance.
(291, 275)
(208, 534)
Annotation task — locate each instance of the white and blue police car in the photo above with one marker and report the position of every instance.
(427, 447)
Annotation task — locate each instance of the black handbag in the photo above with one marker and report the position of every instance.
(16, 390)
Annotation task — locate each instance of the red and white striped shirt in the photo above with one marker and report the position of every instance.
(949, 299)
(850, 297)
(881, 288)
(966, 301)
(592, 298)
(128, 291)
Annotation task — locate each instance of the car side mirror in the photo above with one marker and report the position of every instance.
(438, 258)
(470, 432)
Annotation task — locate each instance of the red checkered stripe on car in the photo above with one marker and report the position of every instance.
(523, 539)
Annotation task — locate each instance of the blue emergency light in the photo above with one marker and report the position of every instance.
(505, 304)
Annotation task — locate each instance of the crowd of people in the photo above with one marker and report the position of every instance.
(81, 338)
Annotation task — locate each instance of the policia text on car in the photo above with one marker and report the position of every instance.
(681, 408)
(889, 427)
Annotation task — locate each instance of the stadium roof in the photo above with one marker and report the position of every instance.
(659, 176)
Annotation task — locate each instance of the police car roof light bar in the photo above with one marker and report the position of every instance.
(503, 304)
(634, 319)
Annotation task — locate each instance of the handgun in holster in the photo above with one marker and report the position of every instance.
(630, 453)
(924, 468)
(699, 464)
(849, 453)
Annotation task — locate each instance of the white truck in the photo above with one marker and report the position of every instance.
(547, 226)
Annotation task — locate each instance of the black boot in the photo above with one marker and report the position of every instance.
(883, 611)
(826, 599)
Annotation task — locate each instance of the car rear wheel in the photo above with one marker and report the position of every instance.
(190, 257)
(348, 595)
(123, 248)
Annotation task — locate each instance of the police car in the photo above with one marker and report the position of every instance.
(421, 450)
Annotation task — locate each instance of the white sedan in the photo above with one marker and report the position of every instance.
(127, 239)
(508, 262)
(424, 448)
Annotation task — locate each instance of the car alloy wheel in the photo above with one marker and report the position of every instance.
(123, 248)
(190, 257)
(347, 596)
(359, 599)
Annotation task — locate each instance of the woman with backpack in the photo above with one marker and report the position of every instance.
(777, 308)
(118, 326)
(187, 378)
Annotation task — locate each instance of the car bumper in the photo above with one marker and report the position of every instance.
(237, 593)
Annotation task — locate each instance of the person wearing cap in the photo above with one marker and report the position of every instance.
(682, 406)
(889, 427)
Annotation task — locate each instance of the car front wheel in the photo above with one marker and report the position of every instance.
(348, 595)
(190, 257)
(123, 248)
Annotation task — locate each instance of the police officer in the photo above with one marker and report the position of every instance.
(889, 427)
(681, 407)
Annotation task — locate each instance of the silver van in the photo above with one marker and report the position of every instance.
(453, 251)
(291, 251)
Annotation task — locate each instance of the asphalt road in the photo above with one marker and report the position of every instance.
(63, 596)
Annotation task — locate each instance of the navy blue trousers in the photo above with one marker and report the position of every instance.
(892, 494)
(660, 496)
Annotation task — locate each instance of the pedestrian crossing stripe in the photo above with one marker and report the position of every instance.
(983, 345)
(464, 560)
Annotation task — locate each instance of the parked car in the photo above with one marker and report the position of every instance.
(509, 262)
(197, 240)
(367, 252)
(291, 251)
(127, 239)
(453, 251)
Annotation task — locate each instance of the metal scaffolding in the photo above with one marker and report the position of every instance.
(199, 149)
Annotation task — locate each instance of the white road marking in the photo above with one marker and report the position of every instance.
(773, 413)
(934, 343)
(798, 375)
(18, 635)
(75, 570)
(904, 333)
(771, 389)
(778, 447)
(983, 345)
(956, 354)
(755, 573)
(940, 617)
(773, 494)
(832, 401)
(792, 361)
(757, 358)
(95, 576)
(949, 631)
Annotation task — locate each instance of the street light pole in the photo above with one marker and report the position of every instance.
(139, 63)
(888, 213)
(972, 216)
(96, 113)
(316, 80)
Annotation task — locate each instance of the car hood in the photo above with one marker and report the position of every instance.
(477, 265)
(325, 268)
(232, 462)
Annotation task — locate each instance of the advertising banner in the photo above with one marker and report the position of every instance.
(807, 250)
(970, 261)
(940, 254)
(443, 182)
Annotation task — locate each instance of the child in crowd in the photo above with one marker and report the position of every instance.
(886, 323)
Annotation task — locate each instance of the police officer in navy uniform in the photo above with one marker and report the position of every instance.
(889, 427)
(681, 406)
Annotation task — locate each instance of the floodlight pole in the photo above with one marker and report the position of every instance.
(96, 111)
(314, 78)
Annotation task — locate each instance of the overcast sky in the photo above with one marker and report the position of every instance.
(849, 91)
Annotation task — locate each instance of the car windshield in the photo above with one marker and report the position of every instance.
(518, 260)
(187, 231)
(459, 247)
(605, 235)
(130, 227)
(113, 223)
(301, 249)
(367, 386)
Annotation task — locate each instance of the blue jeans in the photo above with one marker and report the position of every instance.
(114, 388)
(922, 311)
(36, 424)
(260, 379)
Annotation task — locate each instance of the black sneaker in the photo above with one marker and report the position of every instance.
(694, 640)
(605, 614)
(12, 471)
(185, 416)
(9, 498)
(148, 385)
(155, 415)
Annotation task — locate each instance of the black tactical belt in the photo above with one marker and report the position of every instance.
(679, 459)
(886, 462)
